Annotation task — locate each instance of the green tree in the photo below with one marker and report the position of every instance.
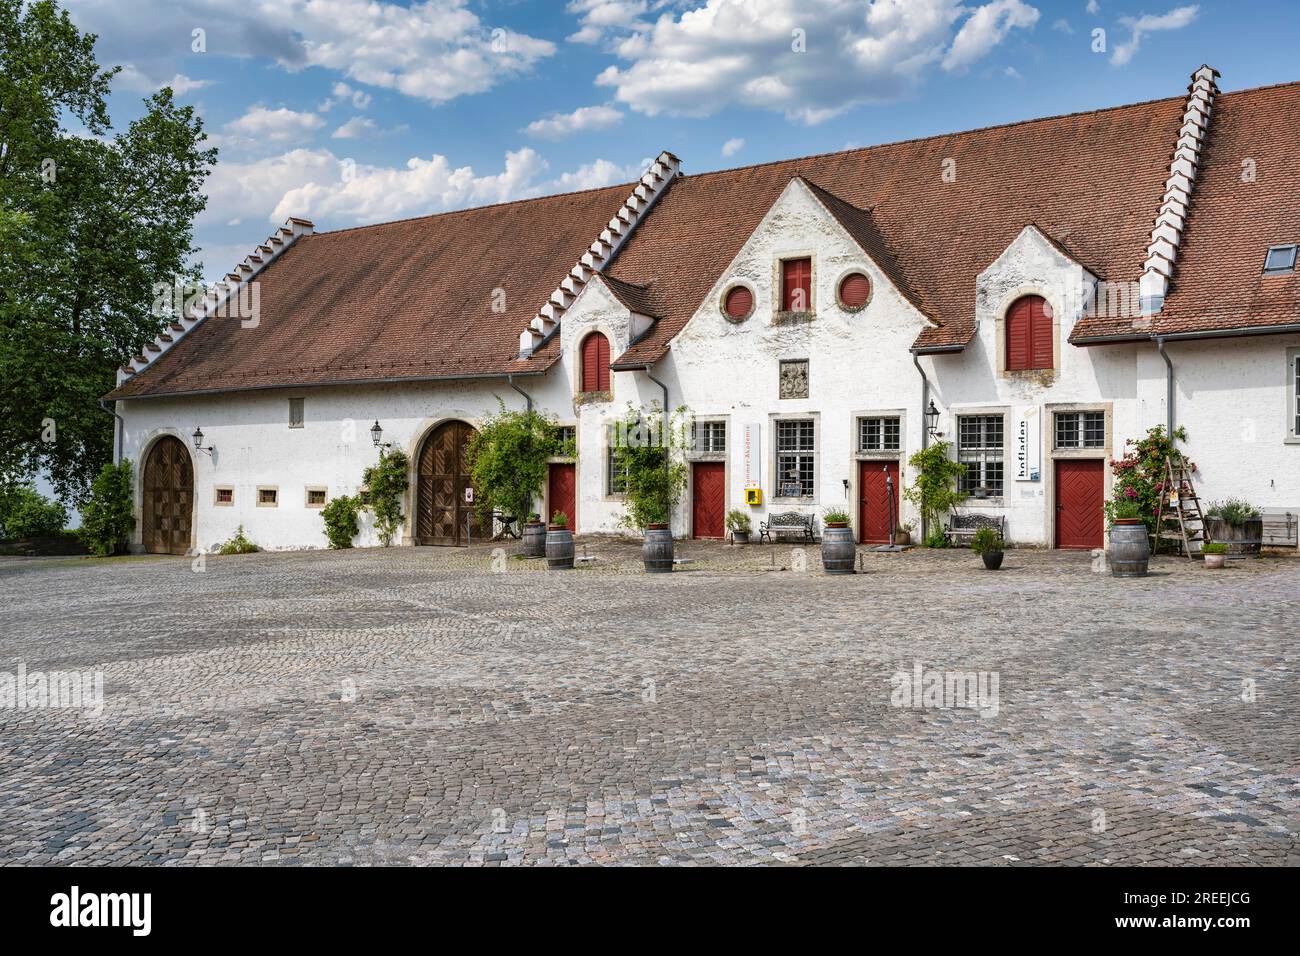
(508, 460)
(387, 482)
(934, 492)
(650, 447)
(90, 219)
(107, 518)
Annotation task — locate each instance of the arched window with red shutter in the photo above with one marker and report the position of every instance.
(1029, 334)
(594, 355)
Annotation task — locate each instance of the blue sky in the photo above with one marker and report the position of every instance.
(354, 111)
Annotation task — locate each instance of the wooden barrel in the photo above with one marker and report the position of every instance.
(657, 551)
(838, 550)
(534, 539)
(1243, 540)
(559, 548)
(1129, 551)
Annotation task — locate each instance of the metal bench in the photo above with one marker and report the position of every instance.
(1280, 527)
(961, 528)
(788, 522)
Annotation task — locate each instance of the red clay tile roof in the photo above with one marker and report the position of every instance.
(1090, 181)
(401, 300)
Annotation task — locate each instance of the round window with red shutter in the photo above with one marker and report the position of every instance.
(854, 291)
(738, 303)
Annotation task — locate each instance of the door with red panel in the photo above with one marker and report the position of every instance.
(560, 493)
(708, 499)
(874, 482)
(1080, 497)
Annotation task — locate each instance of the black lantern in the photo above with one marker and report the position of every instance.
(198, 439)
(931, 419)
(376, 433)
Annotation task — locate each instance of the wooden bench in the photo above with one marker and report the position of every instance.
(961, 528)
(788, 522)
(1280, 527)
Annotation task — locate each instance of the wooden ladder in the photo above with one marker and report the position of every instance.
(1178, 516)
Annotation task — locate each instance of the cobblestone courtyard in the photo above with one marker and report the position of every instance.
(420, 705)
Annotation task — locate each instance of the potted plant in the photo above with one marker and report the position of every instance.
(534, 536)
(987, 543)
(903, 533)
(1214, 552)
(1237, 524)
(559, 542)
(838, 550)
(1130, 553)
(739, 526)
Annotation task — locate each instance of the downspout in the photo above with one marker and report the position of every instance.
(925, 432)
(1169, 386)
(118, 427)
(667, 460)
(527, 398)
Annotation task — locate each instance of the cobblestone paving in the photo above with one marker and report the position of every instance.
(412, 706)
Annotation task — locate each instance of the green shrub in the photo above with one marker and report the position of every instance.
(1124, 510)
(24, 513)
(509, 459)
(1234, 512)
(340, 516)
(387, 482)
(1140, 476)
(1214, 547)
(560, 519)
(986, 541)
(239, 544)
(836, 516)
(650, 447)
(934, 492)
(738, 522)
(107, 518)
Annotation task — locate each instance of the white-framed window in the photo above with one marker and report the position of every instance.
(709, 437)
(796, 458)
(296, 412)
(316, 495)
(1293, 395)
(879, 434)
(979, 448)
(1080, 429)
(268, 496)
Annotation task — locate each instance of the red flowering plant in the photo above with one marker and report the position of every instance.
(1138, 479)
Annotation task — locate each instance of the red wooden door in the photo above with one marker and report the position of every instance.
(1080, 495)
(560, 489)
(708, 499)
(873, 500)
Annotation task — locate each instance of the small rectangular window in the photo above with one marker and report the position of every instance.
(796, 458)
(225, 496)
(796, 285)
(615, 469)
(1293, 395)
(295, 412)
(979, 448)
(1080, 429)
(268, 497)
(568, 436)
(709, 438)
(879, 434)
(1280, 259)
(316, 497)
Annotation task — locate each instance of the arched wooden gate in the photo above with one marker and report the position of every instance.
(442, 475)
(168, 498)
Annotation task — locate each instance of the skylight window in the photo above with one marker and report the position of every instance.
(1280, 259)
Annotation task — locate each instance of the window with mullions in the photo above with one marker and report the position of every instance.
(796, 458)
(709, 438)
(615, 468)
(1080, 429)
(878, 434)
(979, 448)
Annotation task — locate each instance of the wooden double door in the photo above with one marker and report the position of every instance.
(168, 505)
(445, 514)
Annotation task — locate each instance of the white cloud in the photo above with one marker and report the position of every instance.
(583, 119)
(594, 176)
(357, 126)
(732, 146)
(133, 79)
(598, 16)
(1093, 6)
(1175, 19)
(1013, 73)
(986, 28)
(434, 50)
(725, 53)
(343, 93)
(1063, 26)
(281, 125)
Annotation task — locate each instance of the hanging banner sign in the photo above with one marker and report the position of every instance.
(1029, 440)
(753, 450)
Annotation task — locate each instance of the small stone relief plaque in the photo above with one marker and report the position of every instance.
(794, 379)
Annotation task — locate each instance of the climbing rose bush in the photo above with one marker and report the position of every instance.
(1139, 477)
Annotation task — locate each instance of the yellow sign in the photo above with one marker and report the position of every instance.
(753, 496)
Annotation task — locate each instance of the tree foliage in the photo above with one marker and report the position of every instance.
(508, 460)
(90, 219)
(1139, 477)
(340, 516)
(25, 513)
(108, 517)
(934, 492)
(387, 482)
(650, 447)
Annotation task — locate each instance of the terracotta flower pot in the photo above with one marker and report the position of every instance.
(1214, 561)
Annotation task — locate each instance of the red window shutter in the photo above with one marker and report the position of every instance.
(595, 363)
(855, 290)
(1029, 334)
(796, 274)
(739, 302)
